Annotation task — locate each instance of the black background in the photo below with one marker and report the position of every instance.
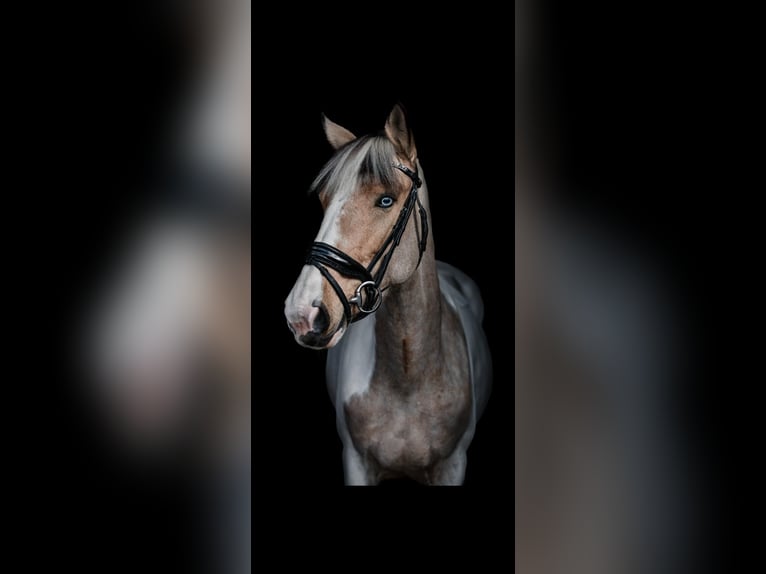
(295, 424)
(634, 107)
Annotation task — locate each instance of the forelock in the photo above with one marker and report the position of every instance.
(367, 160)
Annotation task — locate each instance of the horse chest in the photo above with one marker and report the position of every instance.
(402, 431)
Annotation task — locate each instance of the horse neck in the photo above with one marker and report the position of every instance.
(408, 324)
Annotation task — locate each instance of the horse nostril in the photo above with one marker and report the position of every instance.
(322, 319)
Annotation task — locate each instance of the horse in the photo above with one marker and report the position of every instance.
(408, 367)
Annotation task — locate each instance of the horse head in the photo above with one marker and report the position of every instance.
(369, 192)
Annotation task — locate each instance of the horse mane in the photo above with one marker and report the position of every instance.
(367, 160)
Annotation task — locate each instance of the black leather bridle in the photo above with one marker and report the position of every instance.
(368, 295)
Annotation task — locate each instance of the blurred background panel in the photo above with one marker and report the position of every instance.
(151, 378)
(615, 383)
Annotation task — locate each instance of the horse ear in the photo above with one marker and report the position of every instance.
(401, 136)
(338, 136)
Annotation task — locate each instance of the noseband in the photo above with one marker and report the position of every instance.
(368, 294)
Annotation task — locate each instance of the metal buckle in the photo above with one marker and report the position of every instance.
(357, 298)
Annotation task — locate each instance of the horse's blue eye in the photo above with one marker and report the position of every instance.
(385, 201)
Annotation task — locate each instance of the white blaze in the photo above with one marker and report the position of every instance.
(299, 306)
